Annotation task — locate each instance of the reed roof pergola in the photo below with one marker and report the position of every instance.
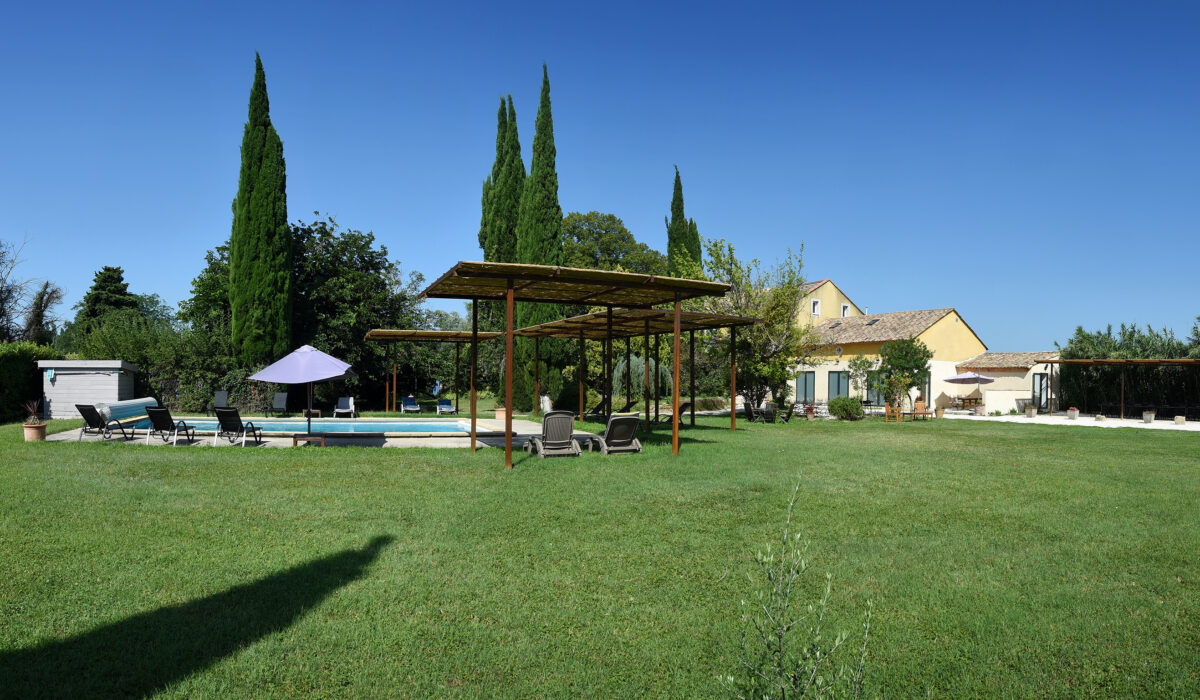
(514, 282)
(1120, 362)
(421, 335)
(629, 323)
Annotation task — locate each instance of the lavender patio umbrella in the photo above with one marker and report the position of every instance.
(305, 364)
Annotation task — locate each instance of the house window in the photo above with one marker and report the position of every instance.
(873, 396)
(806, 387)
(839, 384)
(845, 310)
(816, 307)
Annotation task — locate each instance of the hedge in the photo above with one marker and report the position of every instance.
(20, 380)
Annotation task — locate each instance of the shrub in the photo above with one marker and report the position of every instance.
(20, 380)
(845, 408)
(784, 651)
(710, 403)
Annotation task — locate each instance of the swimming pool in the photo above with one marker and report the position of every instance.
(327, 425)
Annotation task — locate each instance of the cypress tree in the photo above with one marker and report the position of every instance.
(693, 245)
(509, 191)
(487, 220)
(260, 246)
(539, 241)
(677, 230)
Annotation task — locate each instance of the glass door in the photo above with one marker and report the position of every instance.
(1041, 394)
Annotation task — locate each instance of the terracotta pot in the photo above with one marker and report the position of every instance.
(939, 412)
(35, 433)
(500, 413)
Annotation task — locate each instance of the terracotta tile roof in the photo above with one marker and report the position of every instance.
(1006, 360)
(878, 328)
(810, 286)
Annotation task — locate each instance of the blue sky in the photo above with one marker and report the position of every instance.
(1034, 165)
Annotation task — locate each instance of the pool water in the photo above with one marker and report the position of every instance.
(326, 425)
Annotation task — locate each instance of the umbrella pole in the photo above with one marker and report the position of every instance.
(309, 407)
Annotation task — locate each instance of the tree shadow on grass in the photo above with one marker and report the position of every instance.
(141, 655)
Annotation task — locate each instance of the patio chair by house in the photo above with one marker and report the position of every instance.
(683, 408)
(891, 414)
(220, 400)
(556, 439)
(786, 416)
(231, 427)
(409, 404)
(345, 406)
(752, 414)
(167, 428)
(920, 411)
(445, 406)
(770, 412)
(620, 435)
(95, 424)
(279, 404)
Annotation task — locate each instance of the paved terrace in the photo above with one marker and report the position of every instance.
(1083, 421)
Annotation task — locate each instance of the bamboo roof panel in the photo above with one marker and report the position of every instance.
(412, 335)
(632, 323)
(566, 285)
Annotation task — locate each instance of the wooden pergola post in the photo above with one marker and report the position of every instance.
(675, 417)
(474, 362)
(508, 373)
(457, 348)
(582, 389)
(692, 372)
(537, 376)
(608, 366)
(1122, 393)
(733, 378)
(628, 371)
(646, 375)
(656, 387)
(394, 389)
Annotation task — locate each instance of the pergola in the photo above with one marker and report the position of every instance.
(1139, 362)
(512, 282)
(612, 323)
(406, 335)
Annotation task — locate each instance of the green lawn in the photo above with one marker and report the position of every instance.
(1002, 560)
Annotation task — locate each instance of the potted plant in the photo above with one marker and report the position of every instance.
(1072, 413)
(810, 412)
(1030, 410)
(35, 427)
(500, 413)
(1148, 416)
(939, 411)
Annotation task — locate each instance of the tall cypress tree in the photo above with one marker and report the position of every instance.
(508, 192)
(540, 241)
(487, 220)
(683, 238)
(260, 246)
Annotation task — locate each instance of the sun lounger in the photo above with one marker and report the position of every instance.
(345, 405)
(167, 428)
(556, 439)
(444, 406)
(95, 424)
(620, 435)
(683, 408)
(231, 427)
(278, 405)
(409, 403)
(600, 411)
(220, 400)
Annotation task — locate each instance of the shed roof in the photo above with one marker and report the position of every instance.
(878, 328)
(1007, 360)
(566, 285)
(426, 336)
(632, 322)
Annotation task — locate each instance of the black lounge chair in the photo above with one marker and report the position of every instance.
(620, 435)
(167, 428)
(231, 427)
(683, 408)
(95, 424)
(278, 405)
(220, 400)
(599, 411)
(627, 407)
(556, 439)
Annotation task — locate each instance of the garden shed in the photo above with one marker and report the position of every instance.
(68, 382)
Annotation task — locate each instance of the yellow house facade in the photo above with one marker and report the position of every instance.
(845, 331)
(1018, 378)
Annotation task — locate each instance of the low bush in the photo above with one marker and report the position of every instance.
(710, 403)
(845, 408)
